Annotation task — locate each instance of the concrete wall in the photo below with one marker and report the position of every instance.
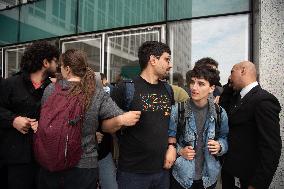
(268, 53)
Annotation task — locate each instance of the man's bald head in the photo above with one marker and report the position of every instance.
(249, 68)
(243, 74)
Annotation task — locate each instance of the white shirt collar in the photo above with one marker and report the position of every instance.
(247, 89)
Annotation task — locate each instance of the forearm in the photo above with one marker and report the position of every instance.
(171, 153)
(112, 125)
(172, 140)
(128, 119)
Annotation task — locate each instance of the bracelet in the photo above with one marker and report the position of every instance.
(173, 144)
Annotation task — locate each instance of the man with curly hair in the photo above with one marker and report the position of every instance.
(19, 112)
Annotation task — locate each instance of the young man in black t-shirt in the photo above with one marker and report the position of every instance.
(146, 150)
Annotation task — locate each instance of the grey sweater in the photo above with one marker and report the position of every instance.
(101, 107)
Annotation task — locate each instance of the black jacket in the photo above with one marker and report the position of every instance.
(18, 98)
(254, 138)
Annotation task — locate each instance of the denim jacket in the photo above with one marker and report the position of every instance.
(183, 169)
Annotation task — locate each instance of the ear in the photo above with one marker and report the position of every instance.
(68, 69)
(45, 63)
(152, 60)
(212, 88)
(243, 71)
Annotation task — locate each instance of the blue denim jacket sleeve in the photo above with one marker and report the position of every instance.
(224, 130)
(173, 121)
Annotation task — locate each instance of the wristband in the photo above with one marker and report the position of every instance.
(173, 144)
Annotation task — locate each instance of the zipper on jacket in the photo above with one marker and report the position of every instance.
(66, 149)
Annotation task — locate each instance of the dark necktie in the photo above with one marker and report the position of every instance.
(239, 98)
(235, 103)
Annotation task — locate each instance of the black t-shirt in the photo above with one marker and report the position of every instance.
(143, 146)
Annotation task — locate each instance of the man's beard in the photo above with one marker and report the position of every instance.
(49, 73)
(165, 76)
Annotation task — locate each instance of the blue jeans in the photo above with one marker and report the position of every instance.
(127, 180)
(107, 173)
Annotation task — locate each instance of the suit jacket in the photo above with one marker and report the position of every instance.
(254, 138)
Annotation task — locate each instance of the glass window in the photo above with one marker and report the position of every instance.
(122, 52)
(12, 59)
(91, 46)
(196, 8)
(97, 14)
(9, 26)
(225, 39)
(44, 19)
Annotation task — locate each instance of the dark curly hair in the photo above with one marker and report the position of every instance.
(149, 48)
(34, 55)
(204, 72)
(206, 61)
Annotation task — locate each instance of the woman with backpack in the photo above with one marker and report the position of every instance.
(65, 143)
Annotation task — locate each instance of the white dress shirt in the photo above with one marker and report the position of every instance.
(247, 89)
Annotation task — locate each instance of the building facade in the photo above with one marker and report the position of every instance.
(110, 32)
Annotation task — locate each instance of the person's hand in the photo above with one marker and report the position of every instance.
(170, 157)
(22, 124)
(34, 126)
(217, 99)
(214, 147)
(187, 152)
(251, 187)
(130, 118)
(99, 136)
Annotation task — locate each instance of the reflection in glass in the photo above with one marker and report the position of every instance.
(44, 19)
(9, 26)
(225, 39)
(180, 45)
(196, 8)
(13, 58)
(105, 14)
(92, 47)
(122, 52)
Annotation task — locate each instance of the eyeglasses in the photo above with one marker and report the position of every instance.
(167, 59)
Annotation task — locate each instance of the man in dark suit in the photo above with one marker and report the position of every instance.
(254, 133)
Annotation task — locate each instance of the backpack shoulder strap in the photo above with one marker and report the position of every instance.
(169, 91)
(57, 90)
(129, 93)
(57, 86)
(218, 120)
(181, 119)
